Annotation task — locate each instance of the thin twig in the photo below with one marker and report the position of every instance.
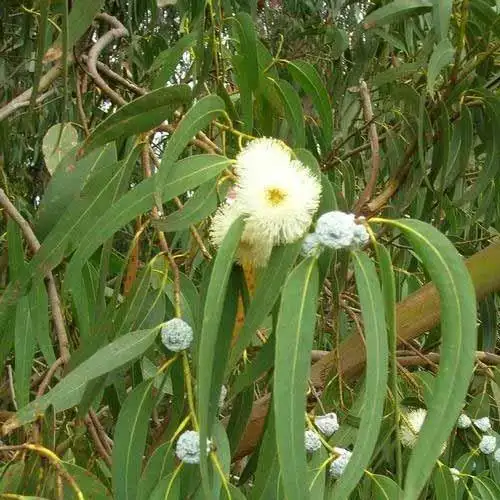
(100, 447)
(48, 376)
(106, 440)
(34, 244)
(374, 145)
(79, 103)
(52, 458)
(11, 386)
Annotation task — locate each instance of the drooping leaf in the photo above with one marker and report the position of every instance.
(384, 488)
(140, 115)
(89, 484)
(294, 337)
(308, 78)
(198, 117)
(440, 58)
(373, 313)
(294, 113)
(165, 62)
(441, 15)
(24, 349)
(394, 11)
(213, 311)
(130, 439)
(458, 344)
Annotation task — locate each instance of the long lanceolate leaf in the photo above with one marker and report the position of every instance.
(214, 305)
(130, 439)
(294, 338)
(458, 343)
(372, 308)
(69, 391)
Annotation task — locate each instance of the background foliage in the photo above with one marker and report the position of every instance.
(118, 124)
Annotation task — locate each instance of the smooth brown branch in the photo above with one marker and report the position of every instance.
(201, 141)
(100, 447)
(115, 33)
(79, 102)
(48, 377)
(55, 303)
(488, 358)
(374, 145)
(23, 100)
(106, 440)
(380, 201)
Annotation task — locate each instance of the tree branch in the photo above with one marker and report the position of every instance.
(374, 145)
(34, 244)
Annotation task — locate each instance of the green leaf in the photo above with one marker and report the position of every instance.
(90, 486)
(266, 293)
(202, 204)
(39, 307)
(140, 115)
(293, 111)
(394, 11)
(267, 473)
(166, 62)
(402, 71)
(57, 144)
(441, 15)
(44, 6)
(24, 349)
(442, 55)
(458, 343)
(294, 338)
(252, 371)
(384, 488)
(485, 487)
(442, 481)
(308, 78)
(186, 174)
(169, 488)
(373, 313)
(242, 408)
(248, 48)
(460, 147)
(130, 440)
(66, 184)
(491, 142)
(213, 311)
(160, 464)
(69, 391)
(318, 467)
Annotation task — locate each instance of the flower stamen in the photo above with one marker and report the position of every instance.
(275, 196)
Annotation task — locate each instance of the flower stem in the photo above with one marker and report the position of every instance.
(189, 389)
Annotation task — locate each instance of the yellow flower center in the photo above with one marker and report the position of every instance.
(275, 196)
